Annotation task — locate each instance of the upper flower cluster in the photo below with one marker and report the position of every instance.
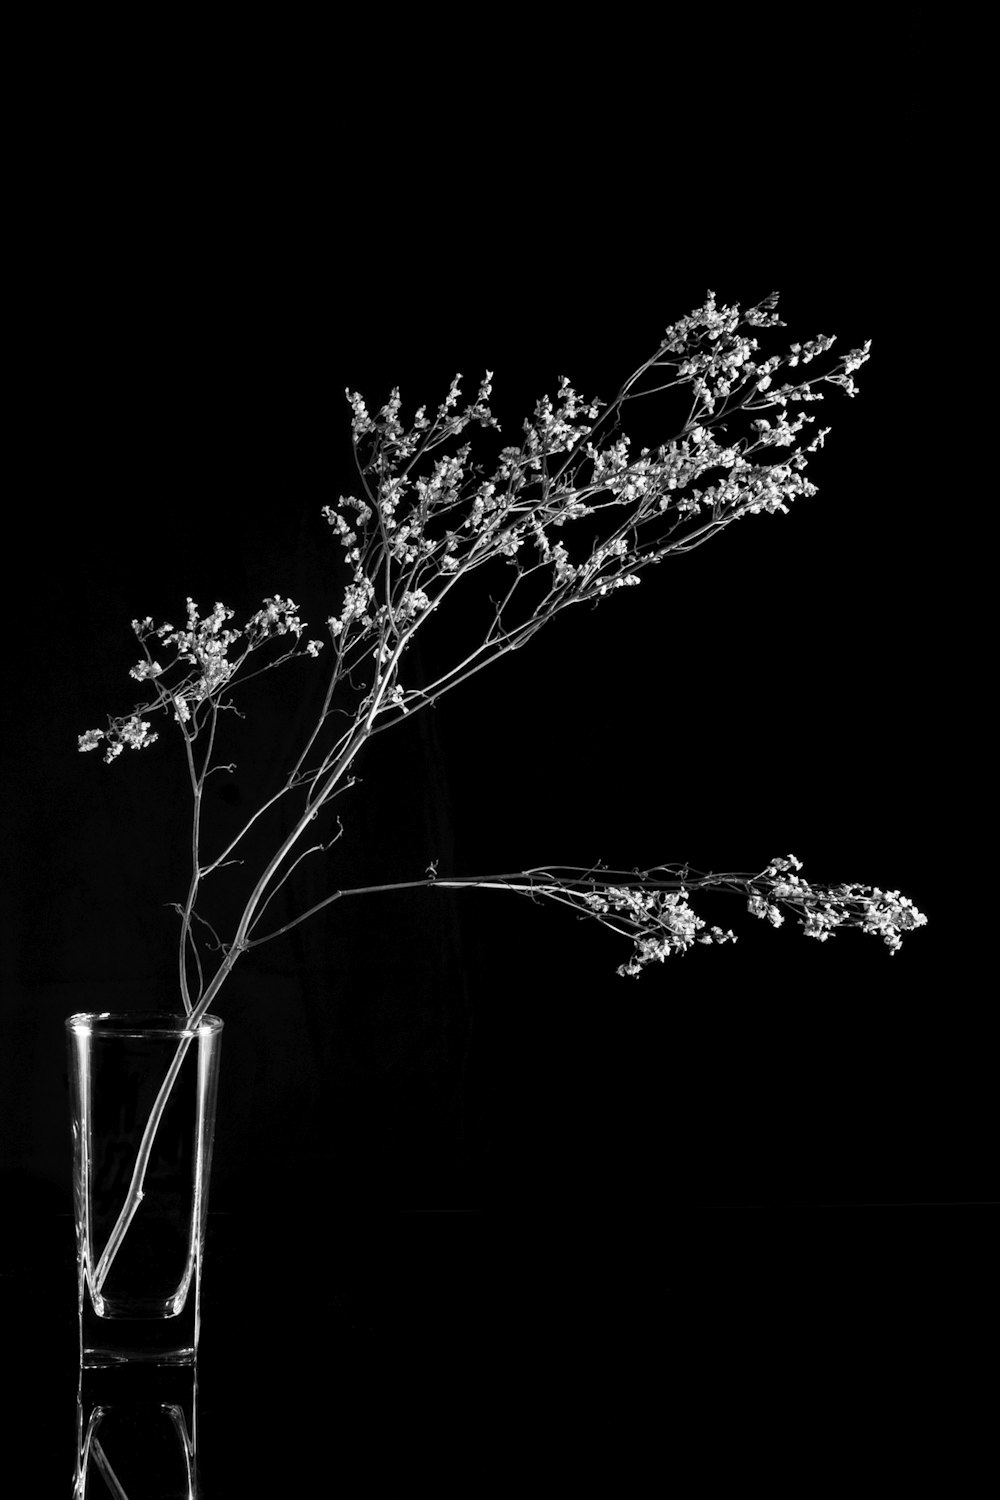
(420, 529)
(431, 527)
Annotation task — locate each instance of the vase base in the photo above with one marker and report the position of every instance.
(106, 1359)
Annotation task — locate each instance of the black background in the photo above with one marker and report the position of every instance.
(217, 235)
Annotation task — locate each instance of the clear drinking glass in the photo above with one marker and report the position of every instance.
(142, 1090)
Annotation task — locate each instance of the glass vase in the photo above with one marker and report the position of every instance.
(142, 1094)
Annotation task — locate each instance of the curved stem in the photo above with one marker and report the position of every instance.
(134, 1195)
(239, 945)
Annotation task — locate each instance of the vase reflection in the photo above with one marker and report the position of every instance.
(137, 1434)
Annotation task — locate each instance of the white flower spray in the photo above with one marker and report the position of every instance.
(424, 529)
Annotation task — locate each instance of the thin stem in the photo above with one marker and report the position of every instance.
(135, 1193)
(510, 882)
(239, 945)
(106, 1472)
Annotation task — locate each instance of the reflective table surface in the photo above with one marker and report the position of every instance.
(378, 1350)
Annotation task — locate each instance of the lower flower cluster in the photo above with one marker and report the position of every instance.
(661, 922)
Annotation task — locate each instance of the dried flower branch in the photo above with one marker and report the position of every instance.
(422, 531)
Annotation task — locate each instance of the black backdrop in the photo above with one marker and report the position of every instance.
(197, 303)
(202, 277)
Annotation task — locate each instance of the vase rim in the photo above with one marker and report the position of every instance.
(139, 1023)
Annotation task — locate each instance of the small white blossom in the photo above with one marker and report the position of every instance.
(758, 907)
(564, 569)
(144, 669)
(132, 733)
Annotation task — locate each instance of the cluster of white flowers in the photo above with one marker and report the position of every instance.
(205, 643)
(656, 914)
(716, 358)
(889, 914)
(131, 732)
(712, 350)
(403, 444)
(758, 907)
(886, 914)
(404, 541)
(554, 431)
(656, 949)
(661, 923)
(278, 617)
(358, 599)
